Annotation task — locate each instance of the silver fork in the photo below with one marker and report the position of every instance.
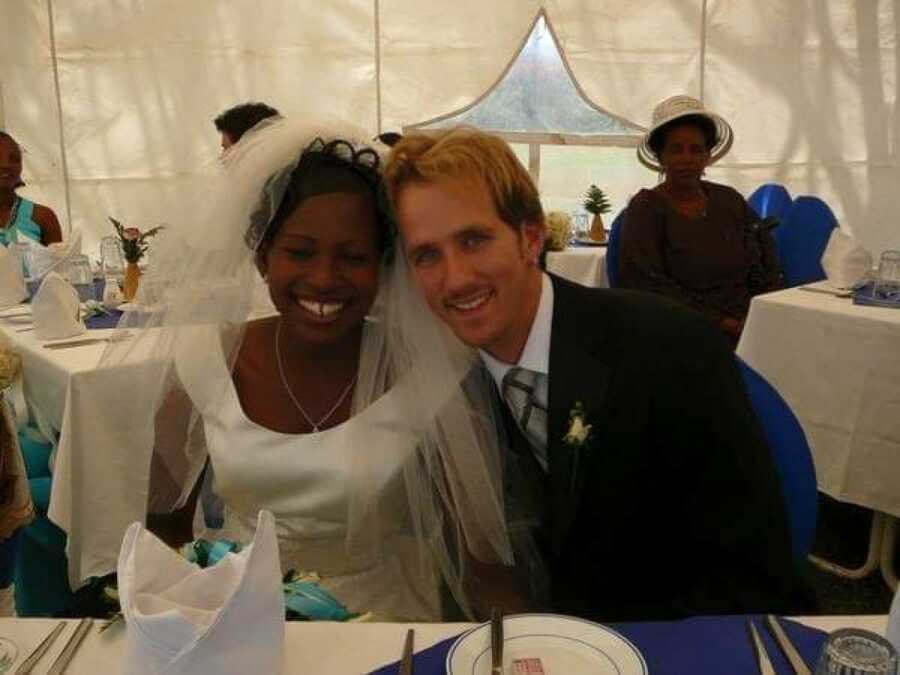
(762, 656)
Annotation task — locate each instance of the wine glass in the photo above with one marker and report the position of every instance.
(853, 651)
(888, 281)
(112, 263)
(81, 276)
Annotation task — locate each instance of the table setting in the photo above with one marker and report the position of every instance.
(228, 617)
(536, 644)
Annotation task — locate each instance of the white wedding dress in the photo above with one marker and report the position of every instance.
(305, 481)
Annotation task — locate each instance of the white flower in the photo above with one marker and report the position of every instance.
(559, 230)
(579, 432)
(10, 362)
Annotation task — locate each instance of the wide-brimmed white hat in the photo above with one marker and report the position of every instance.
(682, 106)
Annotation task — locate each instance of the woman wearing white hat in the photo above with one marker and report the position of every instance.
(695, 241)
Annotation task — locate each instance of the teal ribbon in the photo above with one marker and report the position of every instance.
(303, 600)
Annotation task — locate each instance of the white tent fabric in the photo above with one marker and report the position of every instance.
(809, 87)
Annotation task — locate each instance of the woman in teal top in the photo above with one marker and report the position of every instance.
(20, 219)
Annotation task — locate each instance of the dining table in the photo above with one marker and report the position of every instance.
(582, 263)
(100, 486)
(837, 365)
(327, 648)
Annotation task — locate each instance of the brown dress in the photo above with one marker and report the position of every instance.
(714, 263)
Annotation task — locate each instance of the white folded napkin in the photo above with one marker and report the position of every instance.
(845, 261)
(56, 310)
(12, 282)
(893, 627)
(228, 618)
(46, 259)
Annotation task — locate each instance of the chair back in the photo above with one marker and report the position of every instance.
(801, 239)
(771, 199)
(792, 457)
(612, 250)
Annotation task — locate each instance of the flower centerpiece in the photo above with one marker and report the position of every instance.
(559, 231)
(595, 202)
(134, 246)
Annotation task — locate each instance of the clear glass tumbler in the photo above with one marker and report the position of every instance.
(853, 651)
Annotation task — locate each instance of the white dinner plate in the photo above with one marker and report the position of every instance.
(564, 644)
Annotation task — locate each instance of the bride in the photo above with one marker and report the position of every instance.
(342, 410)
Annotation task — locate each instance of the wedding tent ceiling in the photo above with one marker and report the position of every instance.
(113, 99)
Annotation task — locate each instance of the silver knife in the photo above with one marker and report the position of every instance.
(762, 656)
(406, 663)
(65, 656)
(39, 651)
(75, 343)
(496, 642)
(796, 661)
(827, 291)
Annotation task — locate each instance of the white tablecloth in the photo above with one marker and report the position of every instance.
(321, 648)
(585, 265)
(838, 366)
(99, 485)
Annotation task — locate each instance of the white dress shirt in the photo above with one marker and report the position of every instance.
(536, 354)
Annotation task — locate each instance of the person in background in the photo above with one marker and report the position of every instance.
(21, 219)
(236, 121)
(692, 240)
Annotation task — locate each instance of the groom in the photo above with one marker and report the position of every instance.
(653, 490)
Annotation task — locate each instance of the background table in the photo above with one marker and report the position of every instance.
(310, 647)
(100, 486)
(585, 265)
(838, 366)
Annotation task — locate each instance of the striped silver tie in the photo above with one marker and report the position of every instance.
(518, 391)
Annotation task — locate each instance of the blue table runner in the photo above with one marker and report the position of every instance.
(707, 645)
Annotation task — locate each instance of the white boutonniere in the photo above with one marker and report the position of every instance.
(579, 431)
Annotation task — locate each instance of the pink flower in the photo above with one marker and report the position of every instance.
(131, 234)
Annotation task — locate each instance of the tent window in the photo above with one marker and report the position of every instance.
(536, 102)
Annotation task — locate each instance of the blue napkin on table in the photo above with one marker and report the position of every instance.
(706, 645)
(110, 319)
(866, 295)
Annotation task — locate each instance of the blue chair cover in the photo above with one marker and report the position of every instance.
(793, 459)
(41, 567)
(801, 240)
(612, 250)
(8, 551)
(770, 199)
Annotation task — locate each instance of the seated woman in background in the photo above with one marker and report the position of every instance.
(695, 241)
(21, 219)
(343, 413)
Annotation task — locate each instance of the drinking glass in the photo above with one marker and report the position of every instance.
(22, 251)
(853, 651)
(78, 272)
(112, 262)
(888, 280)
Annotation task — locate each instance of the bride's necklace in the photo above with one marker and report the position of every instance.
(309, 420)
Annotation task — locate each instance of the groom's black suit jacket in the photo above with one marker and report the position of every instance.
(673, 506)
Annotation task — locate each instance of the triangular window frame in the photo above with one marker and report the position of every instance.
(534, 139)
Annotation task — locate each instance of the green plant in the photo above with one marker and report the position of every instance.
(134, 242)
(595, 201)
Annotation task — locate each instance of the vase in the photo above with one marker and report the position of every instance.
(598, 232)
(132, 281)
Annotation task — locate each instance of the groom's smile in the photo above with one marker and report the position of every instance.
(477, 272)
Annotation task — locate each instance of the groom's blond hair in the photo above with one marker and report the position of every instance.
(466, 153)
